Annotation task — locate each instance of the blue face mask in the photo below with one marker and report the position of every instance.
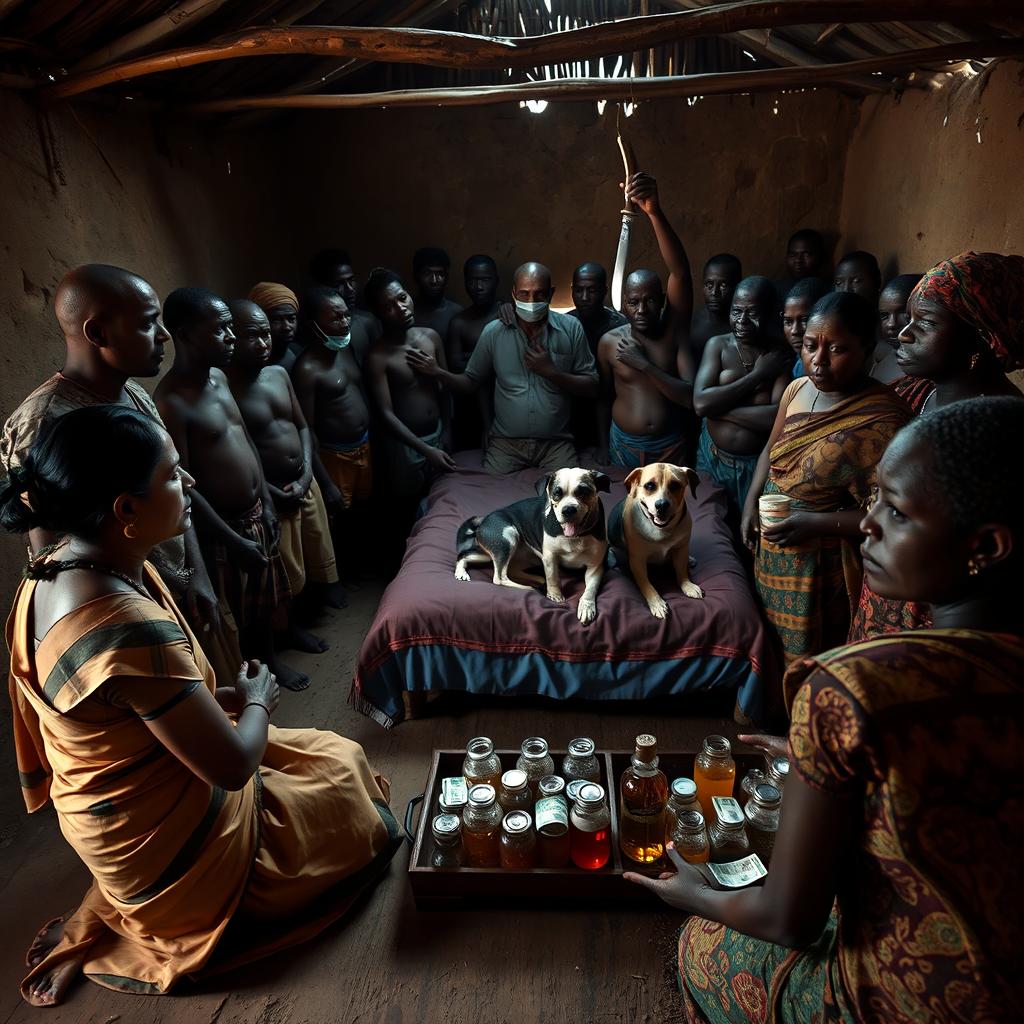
(335, 342)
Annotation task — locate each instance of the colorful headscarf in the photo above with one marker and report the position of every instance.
(267, 295)
(986, 290)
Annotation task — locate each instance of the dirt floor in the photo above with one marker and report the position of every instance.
(389, 963)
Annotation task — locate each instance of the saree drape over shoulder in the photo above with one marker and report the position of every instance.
(825, 462)
(925, 731)
(172, 857)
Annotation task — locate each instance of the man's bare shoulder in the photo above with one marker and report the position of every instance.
(275, 376)
(424, 335)
(308, 364)
(616, 334)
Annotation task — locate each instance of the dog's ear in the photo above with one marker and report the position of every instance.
(601, 480)
(692, 479)
(543, 483)
(633, 479)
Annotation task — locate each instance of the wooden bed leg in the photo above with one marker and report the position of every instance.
(415, 703)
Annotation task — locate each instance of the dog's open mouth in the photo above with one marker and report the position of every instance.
(659, 520)
(569, 528)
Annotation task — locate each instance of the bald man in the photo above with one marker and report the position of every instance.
(536, 365)
(645, 367)
(111, 323)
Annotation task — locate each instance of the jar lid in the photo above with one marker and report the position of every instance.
(482, 796)
(780, 766)
(479, 746)
(717, 745)
(646, 747)
(581, 747)
(767, 795)
(513, 779)
(590, 794)
(551, 785)
(572, 791)
(691, 820)
(517, 822)
(684, 787)
(535, 746)
(447, 825)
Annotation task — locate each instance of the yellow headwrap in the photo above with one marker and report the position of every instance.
(267, 295)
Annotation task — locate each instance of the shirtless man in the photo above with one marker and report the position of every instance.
(412, 408)
(645, 367)
(329, 386)
(893, 316)
(110, 319)
(471, 416)
(274, 419)
(232, 506)
(332, 268)
(721, 275)
(430, 268)
(281, 306)
(739, 384)
(805, 257)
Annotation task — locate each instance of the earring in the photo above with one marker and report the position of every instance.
(973, 568)
(974, 360)
(129, 532)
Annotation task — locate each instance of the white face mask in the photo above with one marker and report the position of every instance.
(531, 312)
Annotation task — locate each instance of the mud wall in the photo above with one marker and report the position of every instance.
(734, 176)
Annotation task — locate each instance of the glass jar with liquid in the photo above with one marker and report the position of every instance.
(714, 771)
(750, 780)
(482, 766)
(446, 830)
(514, 794)
(762, 814)
(481, 828)
(518, 842)
(778, 773)
(590, 828)
(643, 796)
(535, 761)
(690, 838)
(682, 797)
(551, 822)
(580, 762)
(728, 833)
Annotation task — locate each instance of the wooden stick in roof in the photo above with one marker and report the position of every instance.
(461, 50)
(629, 212)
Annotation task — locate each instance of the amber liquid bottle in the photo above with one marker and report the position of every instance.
(643, 796)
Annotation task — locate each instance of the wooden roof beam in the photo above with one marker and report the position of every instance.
(624, 89)
(461, 50)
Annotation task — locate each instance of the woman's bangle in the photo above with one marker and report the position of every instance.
(257, 704)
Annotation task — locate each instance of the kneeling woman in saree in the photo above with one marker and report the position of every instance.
(830, 432)
(190, 810)
(894, 891)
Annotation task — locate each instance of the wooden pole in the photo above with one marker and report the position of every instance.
(459, 50)
(619, 89)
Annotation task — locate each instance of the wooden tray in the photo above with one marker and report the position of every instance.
(467, 888)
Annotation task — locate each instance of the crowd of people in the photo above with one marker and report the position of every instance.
(178, 543)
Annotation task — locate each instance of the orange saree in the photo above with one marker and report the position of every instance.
(174, 859)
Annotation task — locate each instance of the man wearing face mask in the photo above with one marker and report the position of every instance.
(329, 386)
(645, 366)
(332, 268)
(538, 364)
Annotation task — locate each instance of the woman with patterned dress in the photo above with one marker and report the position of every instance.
(212, 837)
(830, 432)
(966, 332)
(894, 892)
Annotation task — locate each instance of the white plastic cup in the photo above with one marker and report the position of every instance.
(773, 508)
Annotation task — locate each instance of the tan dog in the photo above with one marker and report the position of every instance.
(652, 524)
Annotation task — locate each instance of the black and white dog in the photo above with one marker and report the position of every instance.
(563, 525)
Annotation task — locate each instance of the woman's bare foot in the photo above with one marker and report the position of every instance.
(297, 639)
(288, 677)
(46, 938)
(51, 987)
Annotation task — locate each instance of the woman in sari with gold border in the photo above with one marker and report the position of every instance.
(966, 333)
(187, 819)
(830, 431)
(894, 891)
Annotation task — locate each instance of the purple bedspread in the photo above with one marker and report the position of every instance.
(426, 610)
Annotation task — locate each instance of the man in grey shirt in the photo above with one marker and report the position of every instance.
(538, 364)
